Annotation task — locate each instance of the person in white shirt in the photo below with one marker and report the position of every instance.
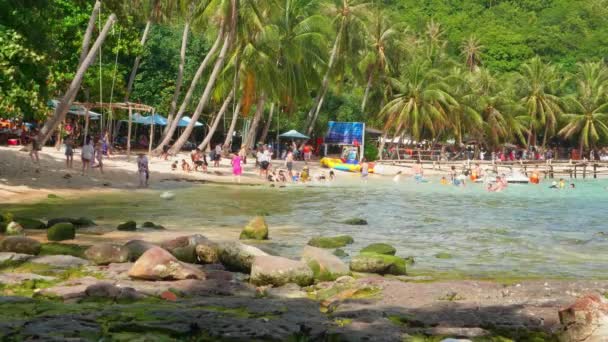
(263, 157)
(142, 170)
(87, 155)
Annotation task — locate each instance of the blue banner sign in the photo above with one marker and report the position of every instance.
(345, 133)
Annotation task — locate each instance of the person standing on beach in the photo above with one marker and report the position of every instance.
(218, 155)
(364, 169)
(289, 163)
(99, 155)
(142, 170)
(264, 160)
(69, 152)
(35, 148)
(237, 169)
(86, 155)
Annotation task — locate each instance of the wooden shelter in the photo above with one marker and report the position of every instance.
(130, 106)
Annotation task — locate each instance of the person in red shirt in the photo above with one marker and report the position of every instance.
(307, 152)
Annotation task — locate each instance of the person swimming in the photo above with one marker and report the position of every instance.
(444, 181)
(553, 185)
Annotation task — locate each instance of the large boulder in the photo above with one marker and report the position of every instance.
(14, 228)
(278, 271)
(28, 223)
(61, 231)
(378, 263)
(136, 248)
(158, 264)
(207, 252)
(20, 244)
(106, 253)
(184, 247)
(129, 226)
(238, 257)
(380, 248)
(585, 320)
(256, 229)
(324, 264)
(331, 242)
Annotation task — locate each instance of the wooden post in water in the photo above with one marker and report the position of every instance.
(584, 171)
(594, 170)
(575, 171)
(551, 174)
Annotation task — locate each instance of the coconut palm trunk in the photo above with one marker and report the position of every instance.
(316, 107)
(216, 121)
(235, 116)
(144, 38)
(253, 129)
(197, 76)
(180, 77)
(367, 89)
(267, 125)
(381, 146)
(86, 40)
(219, 63)
(65, 103)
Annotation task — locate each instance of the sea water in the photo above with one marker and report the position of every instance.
(524, 231)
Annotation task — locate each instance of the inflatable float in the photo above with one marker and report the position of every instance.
(342, 165)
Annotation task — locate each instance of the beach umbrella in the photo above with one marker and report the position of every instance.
(293, 134)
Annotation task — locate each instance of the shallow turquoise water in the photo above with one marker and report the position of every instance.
(525, 231)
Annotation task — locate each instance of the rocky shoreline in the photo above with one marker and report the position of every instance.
(193, 288)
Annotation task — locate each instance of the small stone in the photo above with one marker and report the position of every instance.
(256, 229)
(14, 228)
(21, 245)
(378, 263)
(158, 264)
(61, 261)
(207, 252)
(380, 248)
(277, 271)
(103, 290)
(168, 296)
(355, 221)
(236, 256)
(136, 248)
(443, 255)
(331, 242)
(129, 226)
(325, 265)
(14, 257)
(105, 253)
(184, 247)
(61, 231)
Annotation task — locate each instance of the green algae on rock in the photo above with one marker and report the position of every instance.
(378, 263)
(129, 226)
(61, 231)
(331, 242)
(380, 248)
(256, 229)
(355, 221)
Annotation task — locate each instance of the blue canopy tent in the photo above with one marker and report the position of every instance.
(185, 120)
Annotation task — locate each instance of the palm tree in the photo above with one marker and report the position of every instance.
(190, 11)
(471, 49)
(421, 106)
(230, 10)
(494, 100)
(463, 116)
(539, 82)
(587, 114)
(376, 62)
(157, 12)
(349, 16)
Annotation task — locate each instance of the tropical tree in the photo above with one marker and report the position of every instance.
(539, 82)
(189, 11)
(587, 109)
(349, 20)
(383, 36)
(421, 106)
(471, 50)
(463, 115)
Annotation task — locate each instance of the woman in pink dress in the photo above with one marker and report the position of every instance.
(237, 170)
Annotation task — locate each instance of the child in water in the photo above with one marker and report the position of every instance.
(444, 181)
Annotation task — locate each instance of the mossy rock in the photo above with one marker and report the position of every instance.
(14, 228)
(340, 253)
(378, 263)
(54, 248)
(77, 222)
(356, 221)
(380, 248)
(152, 225)
(61, 231)
(331, 242)
(256, 229)
(52, 196)
(409, 260)
(443, 255)
(128, 226)
(6, 217)
(28, 223)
